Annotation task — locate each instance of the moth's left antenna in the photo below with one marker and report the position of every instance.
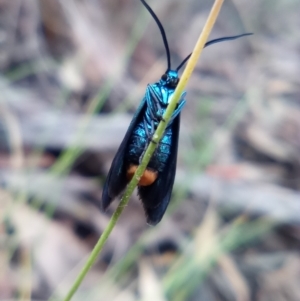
(162, 31)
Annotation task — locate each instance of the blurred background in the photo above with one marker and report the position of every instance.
(72, 74)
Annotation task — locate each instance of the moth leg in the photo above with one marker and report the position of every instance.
(179, 107)
(158, 117)
(149, 137)
(152, 132)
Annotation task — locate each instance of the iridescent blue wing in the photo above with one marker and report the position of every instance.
(156, 197)
(116, 180)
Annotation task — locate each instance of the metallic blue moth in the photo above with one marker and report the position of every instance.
(156, 184)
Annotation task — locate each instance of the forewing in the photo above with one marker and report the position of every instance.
(156, 197)
(116, 180)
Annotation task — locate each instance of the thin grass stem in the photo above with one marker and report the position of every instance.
(151, 148)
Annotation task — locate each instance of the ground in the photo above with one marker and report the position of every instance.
(72, 75)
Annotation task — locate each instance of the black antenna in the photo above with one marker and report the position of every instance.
(162, 31)
(213, 42)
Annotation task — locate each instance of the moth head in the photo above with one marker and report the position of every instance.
(170, 79)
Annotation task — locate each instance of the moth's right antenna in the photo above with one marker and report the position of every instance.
(213, 42)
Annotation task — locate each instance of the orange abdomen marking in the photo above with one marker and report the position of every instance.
(148, 177)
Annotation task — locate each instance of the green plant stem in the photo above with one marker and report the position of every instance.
(151, 148)
(98, 247)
